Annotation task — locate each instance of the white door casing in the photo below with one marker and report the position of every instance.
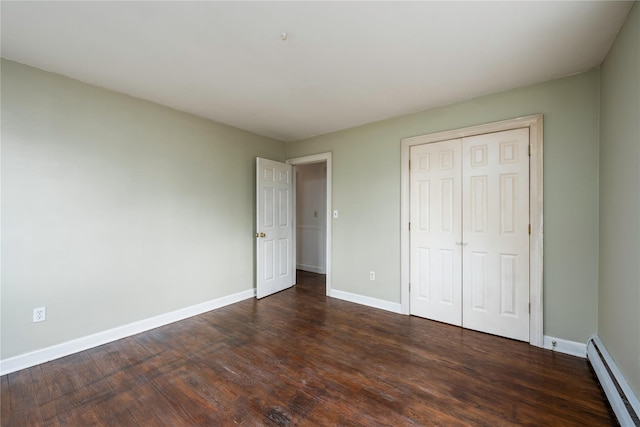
(436, 275)
(274, 227)
(495, 236)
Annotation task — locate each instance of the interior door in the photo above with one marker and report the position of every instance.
(436, 219)
(469, 236)
(274, 227)
(496, 233)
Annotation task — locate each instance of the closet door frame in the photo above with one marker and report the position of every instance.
(535, 126)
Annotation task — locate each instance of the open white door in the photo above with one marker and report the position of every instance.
(274, 222)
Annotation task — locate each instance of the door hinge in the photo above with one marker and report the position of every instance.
(529, 308)
(529, 228)
(409, 164)
(409, 226)
(529, 150)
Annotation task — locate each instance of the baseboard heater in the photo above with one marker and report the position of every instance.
(623, 401)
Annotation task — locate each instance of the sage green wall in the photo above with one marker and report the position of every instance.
(366, 191)
(116, 209)
(619, 282)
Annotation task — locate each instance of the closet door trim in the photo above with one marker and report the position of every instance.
(535, 125)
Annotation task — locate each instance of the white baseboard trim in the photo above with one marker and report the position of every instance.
(57, 351)
(310, 268)
(564, 346)
(368, 301)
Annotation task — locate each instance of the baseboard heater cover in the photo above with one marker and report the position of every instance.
(622, 399)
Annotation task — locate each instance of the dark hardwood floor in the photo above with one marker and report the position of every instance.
(300, 358)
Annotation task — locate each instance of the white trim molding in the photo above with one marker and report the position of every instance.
(318, 158)
(57, 351)
(565, 346)
(368, 301)
(534, 124)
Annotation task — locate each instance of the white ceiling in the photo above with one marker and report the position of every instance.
(343, 64)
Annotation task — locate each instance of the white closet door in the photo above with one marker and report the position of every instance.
(495, 233)
(435, 228)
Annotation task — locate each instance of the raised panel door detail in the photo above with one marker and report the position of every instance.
(423, 205)
(508, 203)
(283, 245)
(479, 155)
(478, 280)
(269, 260)
(269, 208)
(448, 275)
(446, 159)
(446, 193)
(479, 204)
(508, 152)
(283, 204)
(283, 177)
(422, 265)
(423, 163)
(508, 284)
(269, 174)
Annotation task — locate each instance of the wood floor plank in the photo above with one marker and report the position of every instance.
(20, 400)
(301, 358)
(5, 400)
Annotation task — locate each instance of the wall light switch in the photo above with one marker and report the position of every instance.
(335, 213)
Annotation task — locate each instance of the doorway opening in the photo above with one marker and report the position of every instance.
(312, 217)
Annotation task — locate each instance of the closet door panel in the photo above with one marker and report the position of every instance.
(435, 263)
(495, 199)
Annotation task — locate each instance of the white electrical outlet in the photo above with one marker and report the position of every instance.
(39, 314)
(372, 275)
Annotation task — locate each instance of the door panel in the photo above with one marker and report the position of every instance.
(435, 229)
(496, 238)
(274, 218)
